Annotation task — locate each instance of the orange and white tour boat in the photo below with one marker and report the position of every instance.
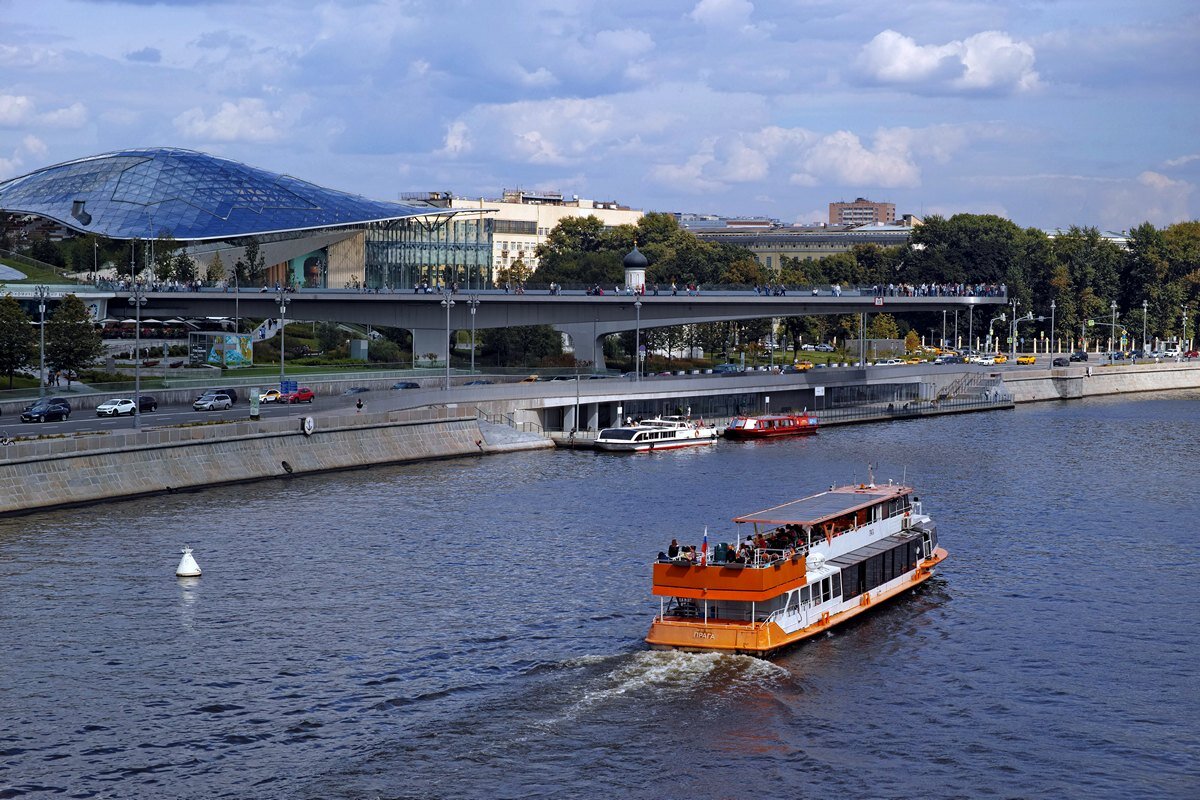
(802, 568)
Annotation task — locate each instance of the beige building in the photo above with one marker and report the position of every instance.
(805, 243)
(862, 212)
(522, 220)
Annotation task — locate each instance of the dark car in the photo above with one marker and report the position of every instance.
(478, 383)
(1079, 355)
(230, 393)
(356, 390)
(53, 409)
(1062, 361)
(406, 385)
(42, 400)
(147, 403)
(727, 369)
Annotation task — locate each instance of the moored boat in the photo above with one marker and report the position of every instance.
(802, 568)
(768, 426)
(659, 433)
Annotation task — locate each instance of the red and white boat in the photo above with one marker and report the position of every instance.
(801, 568)
(770, 425)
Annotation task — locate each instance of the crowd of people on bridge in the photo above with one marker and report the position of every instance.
(941, 290)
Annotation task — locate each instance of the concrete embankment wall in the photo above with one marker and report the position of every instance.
(75, 470)
(1070, 383)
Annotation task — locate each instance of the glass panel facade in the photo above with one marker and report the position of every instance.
(407, 253)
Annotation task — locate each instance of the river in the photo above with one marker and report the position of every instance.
(473, 628)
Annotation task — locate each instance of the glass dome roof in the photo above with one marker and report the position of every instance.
(192, 196)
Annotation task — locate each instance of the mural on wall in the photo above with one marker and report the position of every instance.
(221, 349)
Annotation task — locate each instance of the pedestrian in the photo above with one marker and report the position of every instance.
(359, 406)
(1089, 371)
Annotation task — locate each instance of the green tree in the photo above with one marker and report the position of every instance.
(183, 267)
(883, 326)
(251, 268)
(18, 342)
(72, 343)
(329, 336)
(215, 272)
(165, 248)
(520, 344)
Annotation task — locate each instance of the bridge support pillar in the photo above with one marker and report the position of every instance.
(588, 345)
(428, 341)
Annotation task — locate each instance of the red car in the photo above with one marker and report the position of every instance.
(301, 395)
(1192, 354)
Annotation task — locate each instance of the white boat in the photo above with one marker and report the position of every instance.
(659, 433)
(803, 568)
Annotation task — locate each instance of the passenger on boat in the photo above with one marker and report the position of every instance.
(673, 549)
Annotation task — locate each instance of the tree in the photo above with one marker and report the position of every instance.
(521, 344)
(216, 269)
(72, 343)
(251, 268)
(329, 336)
(18, 343)
(883, 326)
(183, 267)
(165, 248)
(912, 341)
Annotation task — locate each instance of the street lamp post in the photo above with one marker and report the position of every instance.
(1185, 337)
(447, 303)
(1052, 326)
(473, 302)
(637, 339)
(42, 293)
(1112, 332)
(281, 297)
(943, 342)
(1145, 311)
(1012, 339)
(137, 299)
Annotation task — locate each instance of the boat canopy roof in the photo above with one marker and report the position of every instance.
(826, 505)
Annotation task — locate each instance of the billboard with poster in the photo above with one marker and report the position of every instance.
(220, 349)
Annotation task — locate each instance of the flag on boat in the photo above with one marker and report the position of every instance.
(704, 549)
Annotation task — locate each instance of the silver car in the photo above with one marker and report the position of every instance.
(212, 402)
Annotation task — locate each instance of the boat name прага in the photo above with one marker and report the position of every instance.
(809, 565)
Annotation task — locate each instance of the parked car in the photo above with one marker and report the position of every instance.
(406, 385)
(1079, 355)
(213, 402)
(808, 347)
(54, 408)
(825, 348)
(1061, 361)
(1026, 359)
(270, 396)
(1192, 354)
(117, 407)
(230, 393)
(302, 394)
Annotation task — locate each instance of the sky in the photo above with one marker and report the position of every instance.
(1050, 113)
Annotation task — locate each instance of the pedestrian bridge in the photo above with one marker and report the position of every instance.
(587, 319)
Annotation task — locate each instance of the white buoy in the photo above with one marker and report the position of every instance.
(188, 568)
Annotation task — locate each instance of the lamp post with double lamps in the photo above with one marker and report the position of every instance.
(42, 293)
(447, 303)
(281, 297)
(1112, 336)
(137, 299)
(1052, 306)
(473, 302)
(1145, 311)
(637, 339)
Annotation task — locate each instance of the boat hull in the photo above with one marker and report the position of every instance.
(629, 447)
(764, 639)
(751, 434)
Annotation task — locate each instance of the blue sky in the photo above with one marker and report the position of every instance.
(1050, 113)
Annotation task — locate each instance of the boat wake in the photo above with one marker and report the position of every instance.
(667, 672)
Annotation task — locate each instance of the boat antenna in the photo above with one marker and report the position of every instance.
(904, 476)
(870, 475)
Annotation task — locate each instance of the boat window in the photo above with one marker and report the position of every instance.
(618, 433)
(835, 581)
(804, 592)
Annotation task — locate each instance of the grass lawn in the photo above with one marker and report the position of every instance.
(35, 274)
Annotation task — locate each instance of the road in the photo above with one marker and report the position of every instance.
(86, 419)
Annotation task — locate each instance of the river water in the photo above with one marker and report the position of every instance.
(473, 628)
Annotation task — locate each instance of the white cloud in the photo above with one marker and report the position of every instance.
(29, 147)
(1182, 160)
(991, 61)
(247, 120)
(457, 140)
(727, 16)
(19, 111)
(688, 177)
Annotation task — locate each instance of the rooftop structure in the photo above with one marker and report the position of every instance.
(861, 212)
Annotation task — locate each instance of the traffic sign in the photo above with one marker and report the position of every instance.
(287, 387)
